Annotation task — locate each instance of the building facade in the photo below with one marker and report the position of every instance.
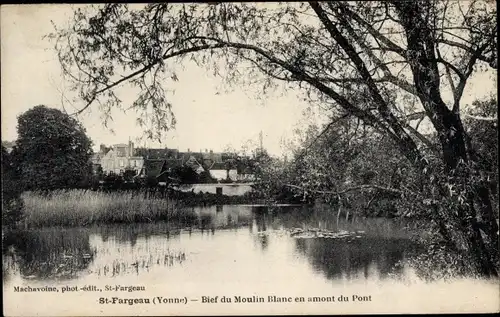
(223, 171)
(120, 158)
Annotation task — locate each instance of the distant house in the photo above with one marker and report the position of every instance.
(118, 159)
(211, 157)
(157, 154)
(194, 160)
(194, 163)
(202, 158)
(223, 171)
(168, 170)
(160, 170)
(153, 169)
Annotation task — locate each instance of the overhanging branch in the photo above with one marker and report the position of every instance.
(492, 119)
(355, 188)
(145, 69)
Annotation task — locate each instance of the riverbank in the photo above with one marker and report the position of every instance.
(85, 207)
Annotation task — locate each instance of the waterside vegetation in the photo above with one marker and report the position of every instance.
(84, 207)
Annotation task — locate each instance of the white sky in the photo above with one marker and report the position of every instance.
(205, 120)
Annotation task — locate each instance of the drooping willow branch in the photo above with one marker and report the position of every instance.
(145, 69)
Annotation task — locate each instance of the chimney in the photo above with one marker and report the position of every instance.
(130, 148)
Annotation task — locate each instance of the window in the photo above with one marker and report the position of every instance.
(218, 191)
(122, 163)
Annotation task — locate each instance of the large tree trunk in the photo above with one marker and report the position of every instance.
(451, 137)
(470, 211)
(487, 222)
(467, 222)
(459, 218)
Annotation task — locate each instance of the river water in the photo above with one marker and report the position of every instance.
(248, 254)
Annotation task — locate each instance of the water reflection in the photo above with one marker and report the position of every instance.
(356, 258)
(256, 235)
(42, 254)
(118, 257)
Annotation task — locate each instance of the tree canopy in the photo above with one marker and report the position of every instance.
(52, 150)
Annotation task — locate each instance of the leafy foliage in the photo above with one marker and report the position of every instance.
(270, 174)
(484, 133)
(52, 150)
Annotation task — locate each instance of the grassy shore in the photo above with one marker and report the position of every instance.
(86, 207)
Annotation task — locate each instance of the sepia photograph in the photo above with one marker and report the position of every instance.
(249, 158)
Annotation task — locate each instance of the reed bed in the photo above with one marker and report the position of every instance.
(86, 207)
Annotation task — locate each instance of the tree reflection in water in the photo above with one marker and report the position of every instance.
(49, 253)
(352, 258)
(261, 219)
(130, 234)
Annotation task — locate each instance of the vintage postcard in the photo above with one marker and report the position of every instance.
(248, 158)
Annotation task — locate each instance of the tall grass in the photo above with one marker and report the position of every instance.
(85, 207)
